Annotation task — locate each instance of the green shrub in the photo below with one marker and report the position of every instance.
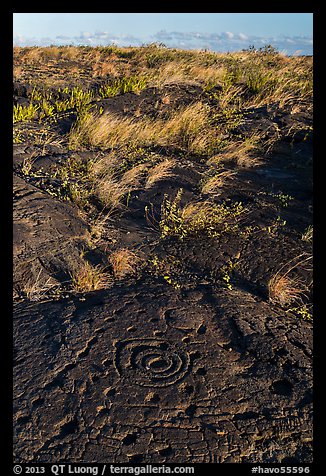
(198, 218)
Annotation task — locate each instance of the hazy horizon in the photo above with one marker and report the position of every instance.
(290, 33)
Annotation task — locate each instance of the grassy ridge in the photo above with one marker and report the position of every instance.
(133, 151)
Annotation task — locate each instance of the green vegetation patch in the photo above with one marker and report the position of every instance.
(197, 218)
(124, 85)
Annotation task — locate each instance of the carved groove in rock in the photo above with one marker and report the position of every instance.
(151, 362)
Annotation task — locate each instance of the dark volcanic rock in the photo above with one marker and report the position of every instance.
(145, 374)
(48, 235)
(152, 101)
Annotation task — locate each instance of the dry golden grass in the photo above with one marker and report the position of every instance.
(51, 53)
(173, 72)
(110, 130)
(206, 215)
(291, 78)
(111, 185)
(18, 72)
(36, 54)
(230, 95)
(103, 65)
(103, 69)
(207, 74)
(125, 263)
(111, 193)
(190, 129)
(31, 55)
(70, 53)
(133, 178)
(102, 231)
(284, 289)
(187, 128)
(201, 217)
(88, 278)
(217, 181)
(38, 289)
(103, 174)
(105, 165)
(161, 171)
(244, 153)
(195, 211)
(192, 68)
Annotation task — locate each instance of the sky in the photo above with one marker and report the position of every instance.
(290, 33)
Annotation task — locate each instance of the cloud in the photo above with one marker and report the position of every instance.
(85, 34)
(20, 40)
(101, 34)
(227, 34)
(62, 37)
(242, 36)
(231, 41)
(221, 42)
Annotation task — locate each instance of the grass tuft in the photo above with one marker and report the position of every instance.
(284, 289)
(125, 263)
(89, 278)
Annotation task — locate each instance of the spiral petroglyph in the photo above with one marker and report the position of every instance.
(151, 362)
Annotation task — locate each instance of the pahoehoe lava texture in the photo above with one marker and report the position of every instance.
(93, 382)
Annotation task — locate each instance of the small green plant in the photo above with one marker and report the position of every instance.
(17, 137)
(170, 281)
(276, 226)
(256, 81)
(155, 261)
(25, 113)
(62, 192)
(302, 312)
(228, 117)
(226, 273)
(283, 198)
(122, 86)
(64, 90)
(307, 236)
(226, 278)
(36, 95)
(62, 106)
(198, 218)
(46, 109)
(165, 269)
(231, 78)
(26, 166)
(109, 90)
(268, 50)
(79, 98)
(73, 182)
(172, 222)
